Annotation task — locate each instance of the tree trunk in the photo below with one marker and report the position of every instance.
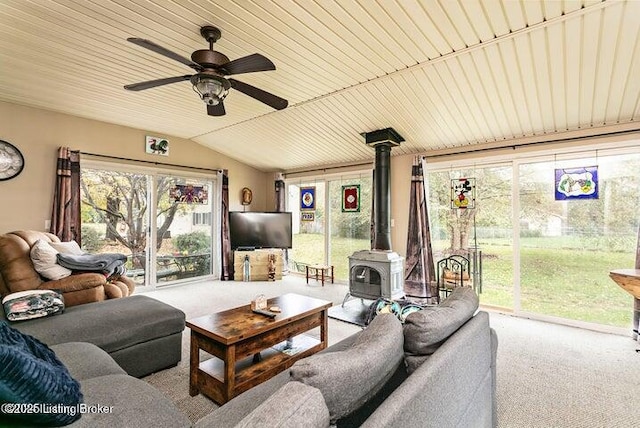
(460, 224)
(168, 219)
(112, 217)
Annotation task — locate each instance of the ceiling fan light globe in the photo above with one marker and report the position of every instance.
(212, 90)
(209, 86)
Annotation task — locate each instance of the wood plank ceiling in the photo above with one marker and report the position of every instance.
(446, 74)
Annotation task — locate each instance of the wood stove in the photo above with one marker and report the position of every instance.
(374, 274)
(379, 272)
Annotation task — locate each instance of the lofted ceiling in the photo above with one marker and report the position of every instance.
(446, 74)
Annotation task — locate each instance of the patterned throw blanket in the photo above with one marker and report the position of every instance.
(25, 305)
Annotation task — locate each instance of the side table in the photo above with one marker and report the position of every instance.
(319, 270)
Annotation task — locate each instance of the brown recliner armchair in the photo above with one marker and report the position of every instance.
(18, 274)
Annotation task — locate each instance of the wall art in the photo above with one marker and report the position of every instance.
(189, 194)
(463, 193)
(351, 198)
(308, 198)
(308, 216)
(576, 183)
(157, 146)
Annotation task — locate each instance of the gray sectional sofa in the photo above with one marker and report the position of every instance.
(360, 381)
(453, 387)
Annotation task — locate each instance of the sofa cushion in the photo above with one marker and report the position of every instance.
(119, 400)
(31, 373)
(45, 262)
(427, 329)
(236, 409)
(70, 247)
(85, 360)
(293, 405)
(347, 379)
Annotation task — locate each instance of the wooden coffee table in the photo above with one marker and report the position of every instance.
(249, 348)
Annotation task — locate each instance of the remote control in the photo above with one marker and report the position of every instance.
(266, 313)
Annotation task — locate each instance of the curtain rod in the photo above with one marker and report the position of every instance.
(483, 149)
(324, 169)
(150, 162)
(534, 143)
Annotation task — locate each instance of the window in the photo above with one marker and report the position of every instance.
(567, 248)
(166, 238)
(329, 234)
(483, 235)
(201, 219)
(542, 256)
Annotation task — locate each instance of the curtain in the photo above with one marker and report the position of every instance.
(420, 278)
(216, 196)
(65, 215)
(226, 255)
(281, 206)
(636, 301)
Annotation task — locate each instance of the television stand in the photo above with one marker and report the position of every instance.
(259, 264)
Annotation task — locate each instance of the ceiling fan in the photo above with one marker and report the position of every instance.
(212, 67)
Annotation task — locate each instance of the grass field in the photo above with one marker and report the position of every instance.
(562, 279)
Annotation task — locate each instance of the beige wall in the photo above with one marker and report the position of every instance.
(26, 199)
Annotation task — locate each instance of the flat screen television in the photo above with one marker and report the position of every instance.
(249, 230)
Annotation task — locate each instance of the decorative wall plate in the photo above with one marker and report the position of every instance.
(11, 161)
(247, 196)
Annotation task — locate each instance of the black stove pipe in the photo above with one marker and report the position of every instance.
(382, 198)
(382, 141)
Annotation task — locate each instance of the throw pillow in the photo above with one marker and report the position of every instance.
(30, 373)
(293, 405)
(44, 258)
(348, 379)
(26, 305)
(427, 329)
(70, 247)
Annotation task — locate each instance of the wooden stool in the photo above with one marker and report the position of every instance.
(320, 270)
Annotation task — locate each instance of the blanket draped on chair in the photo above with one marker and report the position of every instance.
(106, 263)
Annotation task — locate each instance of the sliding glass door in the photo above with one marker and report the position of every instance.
(568, 246)
(306, 201)
(162, 223)
(548, 240)
(350, 220)
(331, 220)
(481, 233)
(184, 221)
(115, 216)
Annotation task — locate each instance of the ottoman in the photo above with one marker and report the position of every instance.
(142, 334)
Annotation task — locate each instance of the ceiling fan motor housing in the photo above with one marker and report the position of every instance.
(208, 58)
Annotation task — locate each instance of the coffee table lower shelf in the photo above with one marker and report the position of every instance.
(249, 372)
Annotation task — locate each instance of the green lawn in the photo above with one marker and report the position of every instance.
(562, 279)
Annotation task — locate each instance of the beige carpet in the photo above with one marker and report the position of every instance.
(549, 376)
(558, 376)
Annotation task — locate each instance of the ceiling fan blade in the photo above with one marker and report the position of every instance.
(248, 64)
(216, 110)
(148, 44)
(260, 95)
(153, 83)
